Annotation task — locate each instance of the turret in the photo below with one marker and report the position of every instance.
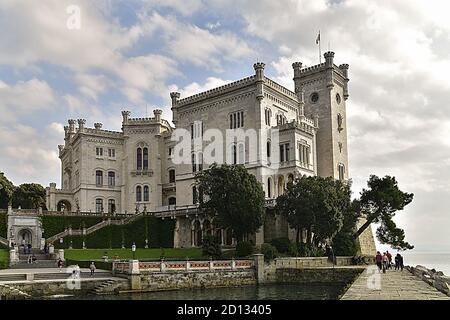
(81, 123)
(175, 96)
(259, 73)
(98, 126)
(71, 131)
(157, 113)
(329, 56)
(125, 117)
(344, 70)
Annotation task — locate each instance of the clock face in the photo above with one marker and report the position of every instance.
(338, 98)
(314, 97)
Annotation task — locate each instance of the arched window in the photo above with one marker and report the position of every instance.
(111, 178)
(99, 178)
(172, 201)
(146, 193)
(139, 159)
(111, 206)
(138, 194)
(339, 121)
(233, 154)
(269, 188)
(194, 163)
(99, 205)
(171, 175)
(145, 159)
(269, 148)
(194, 195)
(341, 171)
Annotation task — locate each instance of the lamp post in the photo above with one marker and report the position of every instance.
(133, 249)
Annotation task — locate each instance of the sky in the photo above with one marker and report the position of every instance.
(129, 55)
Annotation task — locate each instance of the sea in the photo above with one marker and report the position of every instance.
(440, 261)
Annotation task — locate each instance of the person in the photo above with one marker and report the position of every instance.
(29, 248)
(389, 255)
(29, 259)
(46, 248)
(397, 261)
(34, 259)
(92, 267)
(385, 262)
(379, 260)
(60, 264)
(401, 262)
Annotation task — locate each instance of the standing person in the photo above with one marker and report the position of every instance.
(401, 261)
(389, 255)
(379, 260)
(385, 262)
(397, 261)
(92, 267)
(60, 264)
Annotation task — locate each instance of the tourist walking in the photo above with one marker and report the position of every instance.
(389, 255)
(385, 262)
(92, 267)
(401, 262)
(29, 259)
(60, 264)
(379, 260)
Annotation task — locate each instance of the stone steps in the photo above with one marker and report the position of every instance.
(36, 265)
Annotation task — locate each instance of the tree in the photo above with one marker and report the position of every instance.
(317, 205)
(29, 196)
(6, 191)
(235, 196)
(379, 204)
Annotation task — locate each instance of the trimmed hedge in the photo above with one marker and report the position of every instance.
(86, 263)
(56, 224)
(158, 232)
(4, 224)
(4, 259)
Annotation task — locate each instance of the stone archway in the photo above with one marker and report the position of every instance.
(64, 206)
(25, 237)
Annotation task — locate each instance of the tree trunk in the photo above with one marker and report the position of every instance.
(362, 228)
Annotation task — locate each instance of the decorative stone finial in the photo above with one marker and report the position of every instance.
(175, 96)
(329, 55)
(125, 116)
(297, 66)
(81, 123)
(98, 126)
(157, 113)
(71, 125)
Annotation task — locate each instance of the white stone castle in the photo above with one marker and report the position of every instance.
(132, 170)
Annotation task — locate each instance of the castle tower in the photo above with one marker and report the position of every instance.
(325, 92)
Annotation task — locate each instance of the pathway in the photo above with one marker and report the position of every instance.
(392, 285)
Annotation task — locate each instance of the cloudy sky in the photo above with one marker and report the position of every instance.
(131, 54)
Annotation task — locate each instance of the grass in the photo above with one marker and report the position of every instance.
(4, 258)
(141, 254)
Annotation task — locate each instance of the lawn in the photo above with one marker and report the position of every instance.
(141, 254)
(4, 258)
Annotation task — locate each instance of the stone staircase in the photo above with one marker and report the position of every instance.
(109, 286)
(9, 292)
(42, 261)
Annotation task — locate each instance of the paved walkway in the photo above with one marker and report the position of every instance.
(392, 285)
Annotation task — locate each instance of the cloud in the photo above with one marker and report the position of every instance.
(194, 87)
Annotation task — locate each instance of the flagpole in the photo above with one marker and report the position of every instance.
(320, 52)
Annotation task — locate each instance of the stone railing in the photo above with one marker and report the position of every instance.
(181, 266)
(434, 278)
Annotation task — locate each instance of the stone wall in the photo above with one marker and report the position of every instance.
(317, 275)
(197, 279)
(366, 240)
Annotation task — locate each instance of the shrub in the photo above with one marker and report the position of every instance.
(293, 250)
(244, 249)
(309, 250)
(344, 244)
(211, 247)
(269, 251)
(282, 244)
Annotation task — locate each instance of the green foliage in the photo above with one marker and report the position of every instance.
(269, 251)
(235, 196)
(56, 224)
(159, 234)
(4, 259)
(281, 244)
(344, 244)
(86, 263)
(6, 191)
(317, 205)
(309, 250)
(125, 254)
(244, 249)
(29, 196)
(211, 247)
(4, 224)
(379, 204)
(293, 250)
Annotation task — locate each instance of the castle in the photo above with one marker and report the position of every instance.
(134, 170)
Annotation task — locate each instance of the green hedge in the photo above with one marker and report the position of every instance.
(85, 264)
(56, 224)
(4, 224)
(158, 232)
(4, 259)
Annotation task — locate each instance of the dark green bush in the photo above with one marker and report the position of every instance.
(282, 244)
(344, 244)
(244, 249)
(269, 251)
(309, 250)
(211, 247)
(56, 224)
(3, 224)
(293, 250)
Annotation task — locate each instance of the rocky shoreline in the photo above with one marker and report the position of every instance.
(436, 279)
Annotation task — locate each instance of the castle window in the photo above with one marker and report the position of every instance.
(194, 195)
(139, 159)
(171, 176)
(341, 171)
(304, 154)
(99, 205)
(111, 153)
(138, 194)
(314, 97)
(268, 147)
(284, 152)
(339, 121)
(145, 159)
(241, 153)
(267, 115)
(146, 193)
(111, 206)
(99, 178)
(269, 188)
(99, 152)
(172, 201)
(193, 162)
(234, 154)
(237, 120)
(111, 178)
(200, 161)
(170, 151)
